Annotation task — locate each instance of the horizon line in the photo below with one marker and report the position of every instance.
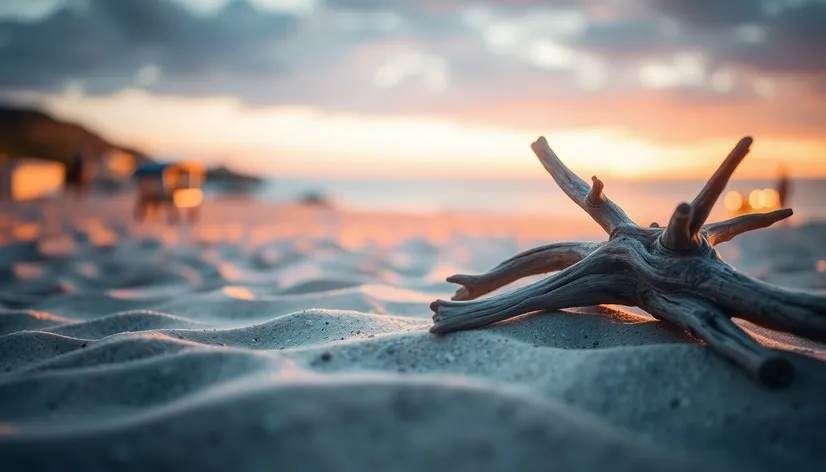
(522, 179)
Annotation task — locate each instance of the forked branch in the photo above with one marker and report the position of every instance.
(588, 282)
(586, 291)
(683, 231)
(688, 284)
(702, 205)
(796, 312)
(536, 261)
(605, 212)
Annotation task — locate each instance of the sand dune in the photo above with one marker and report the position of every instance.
(297, 338)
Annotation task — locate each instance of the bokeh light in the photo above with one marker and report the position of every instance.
(757, 199)
(733, 200)
(187, 197)
(771, 198)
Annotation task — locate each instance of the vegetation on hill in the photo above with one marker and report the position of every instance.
(32, 133)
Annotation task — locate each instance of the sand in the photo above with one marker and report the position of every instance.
(270, 337)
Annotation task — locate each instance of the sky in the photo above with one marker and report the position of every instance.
(630, 89)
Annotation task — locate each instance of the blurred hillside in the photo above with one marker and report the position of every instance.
(32, 133)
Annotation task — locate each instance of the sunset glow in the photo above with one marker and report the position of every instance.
(303, 141)
(626, 89)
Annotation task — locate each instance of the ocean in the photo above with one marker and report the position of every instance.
(643, 201)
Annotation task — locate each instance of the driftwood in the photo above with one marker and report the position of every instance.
(673, 273)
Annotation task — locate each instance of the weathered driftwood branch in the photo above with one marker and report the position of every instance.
(702, 205)
(604, 212)
(536, 261)
(674, 273)
(724, 231)
(678, 235)
(581, 284)
(716, 328)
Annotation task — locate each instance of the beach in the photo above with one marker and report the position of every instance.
(271, 336)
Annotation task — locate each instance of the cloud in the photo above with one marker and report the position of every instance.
(426, 56)
(773, 36)
(28, 10)
(632, 37)
(795, 41)
(711, 14)
(104, 44)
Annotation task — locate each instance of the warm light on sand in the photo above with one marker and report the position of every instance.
(188, 197)
(102, 237)
(119, 163)
(228, 270)
(239, 293)
(26, 232)
(27, 271)
(733, 200)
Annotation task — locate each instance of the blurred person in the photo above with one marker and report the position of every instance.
(77, 174)
(783, 186)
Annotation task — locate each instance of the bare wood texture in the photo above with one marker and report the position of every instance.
(705, 200)
(582, 284)
(606, 214)
(535, 261)
(678, 235)
(674, 273)
(596, 197)
(718, 233)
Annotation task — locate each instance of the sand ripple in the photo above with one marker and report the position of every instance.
(313, 352)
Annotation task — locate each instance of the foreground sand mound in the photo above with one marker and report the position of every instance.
(312, 352)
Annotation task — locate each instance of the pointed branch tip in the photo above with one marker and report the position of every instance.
(723, 231)
(708, 196)
(540, 141)
(541, 260)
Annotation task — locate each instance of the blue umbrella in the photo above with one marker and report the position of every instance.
(151, 169)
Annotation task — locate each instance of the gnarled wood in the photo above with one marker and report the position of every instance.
(606, 214)
(535, 261)
(678, 235)
(791, 311)
(582, 284)
(673, 273)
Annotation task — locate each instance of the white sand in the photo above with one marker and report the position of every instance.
(268, 338)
